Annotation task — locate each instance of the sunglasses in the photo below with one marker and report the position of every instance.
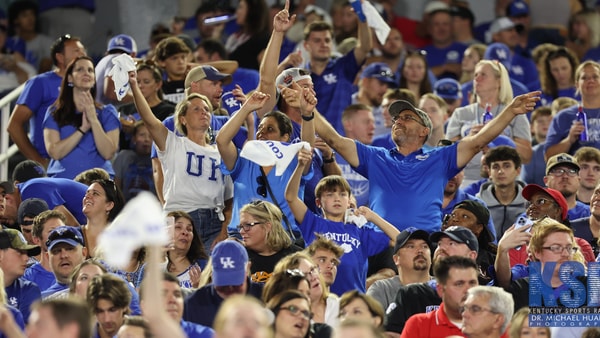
(262, 186)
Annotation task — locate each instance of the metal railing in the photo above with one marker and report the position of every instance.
(7, 152)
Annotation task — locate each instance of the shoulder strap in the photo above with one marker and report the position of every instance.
(285, 219)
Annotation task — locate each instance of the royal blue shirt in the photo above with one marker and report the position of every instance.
(439, 56)
(561, 124)
(358, 244)
(40, 276)
(39, 93)
(21, 294)
(408, 190)
(334, 88)
(57, 191)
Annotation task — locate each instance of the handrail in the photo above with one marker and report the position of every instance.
(5, 152)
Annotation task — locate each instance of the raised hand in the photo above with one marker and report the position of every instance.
(256, 101)
(308, 100)
(293, 59)
(195, 271)
(291, 94)
(525, 103)
(282, 20)
(238, 93)
(304, 157)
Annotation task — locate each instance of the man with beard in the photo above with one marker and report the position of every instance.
(66, 250)
(374, 82)
(562, 174)
(454, 276)
(423, 297)
(412, 256)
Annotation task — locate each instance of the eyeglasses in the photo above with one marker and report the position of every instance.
(313, 271)
(406, 118)
(262, 188)
(247, 226)
(540, 202)
(558, 249)
(559, 172)
(295, 311)
(474, 309)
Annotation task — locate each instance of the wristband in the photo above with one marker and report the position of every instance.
(310, 117)
(331, 159)
(81, 131)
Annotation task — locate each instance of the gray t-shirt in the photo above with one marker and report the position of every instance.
(385, 291)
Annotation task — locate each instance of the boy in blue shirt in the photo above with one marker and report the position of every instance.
(358, 241)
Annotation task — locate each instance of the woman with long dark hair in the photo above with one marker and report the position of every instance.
(80, 133)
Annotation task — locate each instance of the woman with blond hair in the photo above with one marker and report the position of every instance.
(264, 237)
(493, 92)
(519, 326)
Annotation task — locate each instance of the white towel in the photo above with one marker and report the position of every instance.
(266, 153)
(123, 64)
(140, 223)
(376, 22)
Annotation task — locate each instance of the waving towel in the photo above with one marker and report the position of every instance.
(123, 64)
(266, 153)
(140, 223)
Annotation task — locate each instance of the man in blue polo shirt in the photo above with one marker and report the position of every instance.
(230, 277)
(333, 78)
(406, 184)
(66, 250)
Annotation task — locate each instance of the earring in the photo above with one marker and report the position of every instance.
(70, 84)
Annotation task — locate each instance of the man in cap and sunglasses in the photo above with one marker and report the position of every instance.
(66, 250)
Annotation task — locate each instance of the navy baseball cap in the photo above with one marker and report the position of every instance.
(447, 88)
(458, 234)
(122, 42)
(31, 207)
(8, 187)
(517, 8)
(379, 71)
(65, 234)
(229, 260)
(27, 170)
(410, 233)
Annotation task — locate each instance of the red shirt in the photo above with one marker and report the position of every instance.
(434, 324)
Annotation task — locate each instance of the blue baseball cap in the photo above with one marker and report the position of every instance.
(447, 88)
(229, 260)
(65, 234)
(502, 140)
(122, 42)
(381, 72)
(499, 51)
(517, 8)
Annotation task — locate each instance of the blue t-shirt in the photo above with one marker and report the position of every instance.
(334, 88)
(534, 171)
(193, 330)
(38, 94)
(546, 99)
(73, 163)
(561, 124)
(244, 77)
(439, 56)
(57, 191)
(40, 276)
(523, 69)
(408, 190)
(245, 175)
(358, 244)
(18, 317)
(580, 210)
(21, 294)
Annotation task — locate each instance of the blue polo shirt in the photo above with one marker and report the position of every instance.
(40, 276)
(21, 294)
(408, 190)
(39, 93)
(334, 88)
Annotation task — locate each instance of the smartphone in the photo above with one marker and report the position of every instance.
(523, 221)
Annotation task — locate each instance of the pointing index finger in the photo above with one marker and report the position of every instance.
(287, 5)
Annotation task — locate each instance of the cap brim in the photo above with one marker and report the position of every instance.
(436, 236)
(226, 66)
(387, 80)
(71, 242)
(399, 106)
(532, 189)
(8, 187)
